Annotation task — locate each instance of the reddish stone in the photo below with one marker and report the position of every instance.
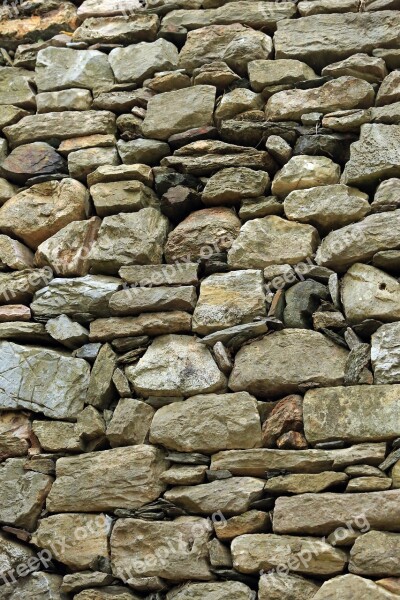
(287, 415)
(292, 440)
(14, 312)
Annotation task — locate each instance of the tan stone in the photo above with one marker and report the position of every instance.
(304, 483)
(349, 587)
(303, 172)
(130, 423)
(275, 586)
(56, 436)
(121, 196)
(14, 255)
(184, 475)
(160, 323)
(219, 590)
(229, 186)
(252, 521)
(137, 300)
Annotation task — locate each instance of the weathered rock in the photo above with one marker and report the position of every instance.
(139, 300)
(7, 191)
(184, 475)
(14, 312)
(266, 73)
(351, 586)
(253, 208)
(130, 423)
(149, 152)
(70, 99)
(385, 357)
(275, 586)
(126, 29)
(286, 415)
(160, 323)
(389, 90)
(369, 68)
(302, 300)
(19, 286)
(30, 333)
(121, 196)
(83, 162)
(229, 186)
(252, 521)
(140, 61)
(69, 334)
(56, 436)
(219, 590)
(106, 8)
(38, 585)
(107, 593)
(387, 196)
(368, 484)
(302, 484)
(32, 160)
(303, 172)
(112, 173)
(15, 431)
(76, 582)
(101, 390)
(90, 424)
(156, 275)
(176, 364)
(98, 481)
(286, 361)
(14, 554)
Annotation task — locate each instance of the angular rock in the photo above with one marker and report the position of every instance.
(69, 334)
(302, 484)
(252, 521)
(125, 29)
(349, 586)
(161, 323)
(75, 582)
(107, 593)
(389, 90)
(184, 475)
(266, 73)
(130, 423)
(252, 208)
(387, 196)
(368, 484)
(7, 191)
(229, 186)
(138, 300)
(14, 312)
(107, 8)
(71, 99)
(369, 68)
(385, 354)
(101, 390)
(19, 286)
(219, 590)
(121, 196)
(149, 152)
(286, 415)
(83, 162)
(302, 300)
(274, 586)
(56, 436)
(140, 61)
(112, 173)
(32, 160)
(157, 275)
(14, 554)
(238, 101)
(303, 172)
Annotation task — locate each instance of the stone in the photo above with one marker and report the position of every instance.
(107, 593)
(176, 364)
(159, 323)
(391, 584)
(238, 101)
(130, 423)
(303, 172)
(385, 357)
(279, 149)
(359, 242)
(201, 234)
(37, 213)
(389, 90)
(219, 590)
(342, 93)
(16, 87)
(234, 44)
(174, 112)
(32, 160)
(14, 554)
(220, 555)
(368, 293)
(23, 494)
(125, 29)
(131, 238)
(267, 73)
(83, 162)
(387, 196)
(232, 496)
(229, 186)
(287, 360)
(121, 196)
(320, 40)
(30, 333)
(7, 191)
(215, 73)
(137, 300)
(101, 391)
(184, 475)
(350, 586)
(208, 424)
(286, 415)
(369, 68)
(252, 521)
(106, 8)
(88, 351)
(141, 61)
(69, 334)
(229, 299)
(79, 549)
(56, 126)
(253, 208)
(150, 152)
(98, 480)
(321, 514)
(275, 586)
(158, 275)
(272, 240)
(327, 207)
(71, 99)
(368, 484)
(375, 156)
(76, 582)
(303, 483)
(90, 424)
(42, 380)
(19, 286)
(81, 298)
(14, 255)
(86, 142)
(14, 312)
(302, 299)
(56, 436)
(113, 173)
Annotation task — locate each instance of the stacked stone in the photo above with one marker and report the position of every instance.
(200, 300)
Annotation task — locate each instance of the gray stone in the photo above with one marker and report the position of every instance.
(120, 328)
(149, 152)
(16, 88)
(156, 275)
(302, 300)
(253, 208)
(140, 61)
(125, 29)
(137, 300)
(349, 586)
(229, 186)
(265, 73)
(297, 483)
(101, 390)
(369, 68)
(219, 590)
(275, 586)
(38, 586)
(56, 436)
(69, 334)
(130, 423)
(76, 582)
(19, 286)
(385, 353)
(387, 196)
(71, 99)
(83, 162)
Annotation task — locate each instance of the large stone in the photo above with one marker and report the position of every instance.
(228, 299)
(369, 293)
(303, 172)
(38, 586)
(272, 240)
(275, 586)
(119, 478)
(283, 362)
(160, 323)
(376, 554)
(385, 353)
(208, 423)
(14, 554)
(39, 212)
(354, 414)
(369, 68)
(137, 300)
(339, 94)
(251, 553)
(176, 365)
(42, 380)
(319, 40)
(16, 88)
(121, 196)
(266, 73)
(349, 587)
(219, 590)
(85, 537)
(321, 514)
(175, 550)
(130, 423)
(19, 286)
(126, 29)
(32, 160)
(70, 99)
(177, 111)
(142, 150)
(140, 61)
(229, 186)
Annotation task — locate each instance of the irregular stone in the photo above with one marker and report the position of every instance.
(30, 333)
(130, 423)
(184, 475)
(369, 68)
(69, 334)
(14, 255)
(231, 496)
(265, 73)
(71, 99)
(7, 191)
(219, 590)
(387, 196)
(176, 364)
(263, 242)
(229, 186)
(14, 312)
(107, 593)
(10, 114)
(90, 424)
(288, 360)
(339, 94)
(160, 323)
(106, 8)
(157, 275)
(302, 300)
(15, 556)
(137, 300)
(222, 421)
(149, 152)
(56, 436)
(101, 390)
(304, 483)
(275, 586)
(125, 29)
(215, 73)
(351, 586)
(32, 160)
(76, 582)
(391, 584)
(252, 521)
(238, 101)
(251, 553)
(83, 162)
(389, 90)
(286, 415)
(121, 196)
(98, 481)
(253, 208)
(385, 354)
(220, 555)
(368, 484)
(38, 585)
(111, 173)
(140, 61)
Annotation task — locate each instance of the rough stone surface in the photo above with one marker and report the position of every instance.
(385, 353)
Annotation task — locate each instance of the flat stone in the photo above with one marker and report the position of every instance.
(160, 323)
(385, 354)
(112, 173)
(71, 99)
(238, 101)
(305, 172)
(252, 521)
(263, 206)
(265, 73)
(321, 514)
(29, 333)
(219, 590)
(176, 364)
(351, 586)
(275, 586)
(137, 300)
(184, 475)
(97, 481)
(208, 424)
(229, 186)
(229, 299)
(141, 150)
(19, 286)
(67, 332)
(56, 436)
(32, 160)
(76, 582)
(296, 483)
(107, 8)
(286, 360)
(156, 275)
(369, 68)
(121, 196)
(14, 312)
(83, 162)
(14, 554)
(7, 190)
(10, 114)
(140, 61)
(130, 423)
(368, 484)
(125, 29)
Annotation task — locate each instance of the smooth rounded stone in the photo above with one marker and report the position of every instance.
(32, 160)
(339, 94)
(359, 241)
(37, 213)
(230, 496)
(107, 593)
(130, 423)
(14, 255)
(219, 590)
(264, 73)
(112, 173)
(140, 61)
(71, 99)
(305, 172)
(304, 483)
(285, 586)
(353, 414)
(137, 300)
(286, 415)
(375, 156)
(229, 299)
(234, 44)
(348, 587)
(302, 300)
(16, 88)
(389, 90)
(238, 101)
(369, 293)
(67, 251)
(184, 475)
(321, 514)
(176, 364)
(120, 328)
(387, 196)
(385, 354)
(272, 240)
(286, 361)
(363, 471)
(67, 332)
(129, 238)
(79, 549)
(327, 207)
(125, 29)
(76, 582)
(85, 161)
(7, 190)
(177, 111)
(208, 424)
(266, 551)
(229, 186)
(97, 481)
(121, 196)
(201, 234)
(56, 436)
(14, 312)
(369, 484)
(149, 152)
(369, 68)
(279, 149)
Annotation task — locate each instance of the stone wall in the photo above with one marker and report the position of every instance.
(199, 300)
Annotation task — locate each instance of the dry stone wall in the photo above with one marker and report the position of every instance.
(200, 300)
